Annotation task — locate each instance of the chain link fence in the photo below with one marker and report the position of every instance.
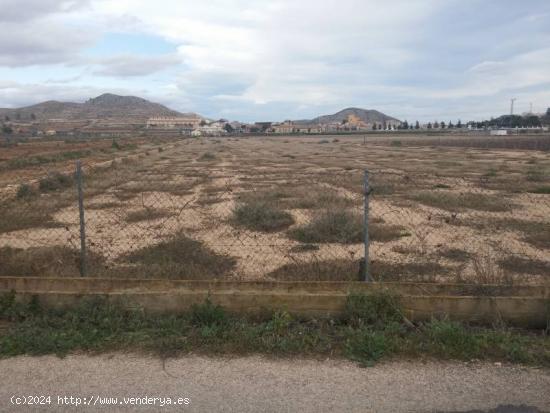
(189, 220)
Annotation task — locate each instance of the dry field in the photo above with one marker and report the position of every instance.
(286, 208)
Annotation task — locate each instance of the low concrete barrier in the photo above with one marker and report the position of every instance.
(526, 306)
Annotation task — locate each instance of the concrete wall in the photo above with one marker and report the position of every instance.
(526, 306)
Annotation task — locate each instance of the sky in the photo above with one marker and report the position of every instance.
(256, 60)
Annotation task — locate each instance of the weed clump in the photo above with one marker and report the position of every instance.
(180, 257)
(343, 227)
(55, 182)
(257, 215)
(207, 156)
(208, 314)
(375, 310)
(26, 191)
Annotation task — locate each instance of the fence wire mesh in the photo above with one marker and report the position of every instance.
(153, 217)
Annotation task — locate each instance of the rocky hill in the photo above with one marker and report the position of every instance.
(365, 115)
(104, 107)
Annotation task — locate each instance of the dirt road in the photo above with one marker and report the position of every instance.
(260, 385)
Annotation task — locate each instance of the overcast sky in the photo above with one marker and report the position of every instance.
(256, 60)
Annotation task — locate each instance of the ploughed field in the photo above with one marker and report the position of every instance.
(284, 208)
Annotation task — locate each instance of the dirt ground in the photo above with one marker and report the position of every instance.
(262, 385)
(454, 210)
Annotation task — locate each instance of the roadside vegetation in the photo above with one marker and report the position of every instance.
(372, 328)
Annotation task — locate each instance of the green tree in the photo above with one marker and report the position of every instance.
(33, 116)
(459, 124)
(228, 128)
(417, 125)
(429, 125)
(442, 125)
(405, 124)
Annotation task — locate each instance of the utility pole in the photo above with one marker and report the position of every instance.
(512, 105)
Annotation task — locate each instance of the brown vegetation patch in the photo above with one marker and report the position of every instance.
(331, 226)
(54, 261)
(263, 216)
(451, 201)
(333, 270)
(520, 265)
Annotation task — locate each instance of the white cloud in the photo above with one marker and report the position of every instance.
(421, 58)
(132, 65)
(23, 10)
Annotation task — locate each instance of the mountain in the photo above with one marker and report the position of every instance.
(104, 107)
(365, 115)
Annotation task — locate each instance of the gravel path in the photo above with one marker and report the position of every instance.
(256, 384)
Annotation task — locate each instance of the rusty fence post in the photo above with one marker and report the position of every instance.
(78, 176)
(366, 267)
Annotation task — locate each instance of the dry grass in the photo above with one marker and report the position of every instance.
(340, 226)
(455, 254)
(424, 271)
(179, 257)
(20, 214)
(519, 265)
(54, 261)
(453, 202)
(333, 270)
(380, 232)
(486, 192)
(207, 156)
(256, 215)
(147, 214)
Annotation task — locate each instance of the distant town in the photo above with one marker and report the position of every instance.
(111, 115)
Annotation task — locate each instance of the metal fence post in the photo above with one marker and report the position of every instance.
(366, 267)
(82, 222)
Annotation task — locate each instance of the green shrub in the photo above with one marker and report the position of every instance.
(376, 310)
(541, 190)
(208, 314)
(366, 346)
(451, 339)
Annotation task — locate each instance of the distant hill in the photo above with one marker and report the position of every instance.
(365, 115)
(104, 107)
